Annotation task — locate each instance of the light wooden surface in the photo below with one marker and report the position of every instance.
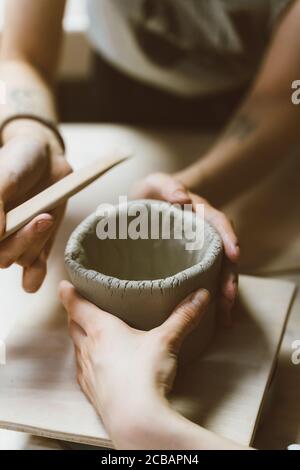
(223, 390)
(168, 152)
(11, 440)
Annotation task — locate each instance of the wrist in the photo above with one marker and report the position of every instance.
(135, 420)
(140, 424)
(33, 129)
(193, 177)
(189, 179)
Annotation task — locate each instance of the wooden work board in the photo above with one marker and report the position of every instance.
(223, 390)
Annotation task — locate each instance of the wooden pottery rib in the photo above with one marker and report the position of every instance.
(59, 193)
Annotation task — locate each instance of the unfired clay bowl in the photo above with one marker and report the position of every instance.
(142, 281)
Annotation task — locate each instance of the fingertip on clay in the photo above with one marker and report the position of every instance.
(64, 288)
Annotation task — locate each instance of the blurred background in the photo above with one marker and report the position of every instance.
(86, 84)
(75, 74)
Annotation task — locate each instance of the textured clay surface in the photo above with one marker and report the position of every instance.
(141, 281)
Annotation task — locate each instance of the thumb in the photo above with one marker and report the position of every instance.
(185, 318)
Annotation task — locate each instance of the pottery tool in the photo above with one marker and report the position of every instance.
(59, 193)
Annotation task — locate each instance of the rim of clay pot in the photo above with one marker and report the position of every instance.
(74, 251)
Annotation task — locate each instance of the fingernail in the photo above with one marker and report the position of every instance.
(198, 297)
(44, 225)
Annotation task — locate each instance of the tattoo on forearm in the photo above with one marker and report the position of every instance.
(240, 128)
(25, 101)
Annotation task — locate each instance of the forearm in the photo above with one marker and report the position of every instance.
(30, 50)
(152, 424)
(26, 92)
(264, 130)
(259, 137)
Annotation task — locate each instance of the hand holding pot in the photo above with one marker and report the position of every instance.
(29, 162)
(126, 373)
(165, 187)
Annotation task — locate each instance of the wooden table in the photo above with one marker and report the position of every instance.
(169, 151)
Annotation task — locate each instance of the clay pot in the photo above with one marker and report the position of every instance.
(142, 281)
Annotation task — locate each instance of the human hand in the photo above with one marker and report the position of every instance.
(29, 163)
(127, 373)
(165, 187)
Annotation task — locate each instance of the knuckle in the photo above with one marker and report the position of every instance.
(66, 169)
(187, 311)
(212, 215)
(188, 314)
(164, 340)
(221, 217)
(65, 166)
(5, 262)
(202, 200)
(85, 355)
(27, 260)
(164, 337)
(154, 179)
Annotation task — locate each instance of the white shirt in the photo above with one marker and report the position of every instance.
(188, 47)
